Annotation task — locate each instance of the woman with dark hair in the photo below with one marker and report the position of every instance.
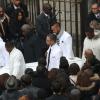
(87, 87)
(64, 65)
(17, 23)
(58, 87)
(41, 80)
(52, 74)
(73, 71)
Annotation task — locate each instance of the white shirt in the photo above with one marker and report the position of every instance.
(94, 45)
(55, 56)
(15, 7)
(65, 43)
(4, 55)
(16, 63)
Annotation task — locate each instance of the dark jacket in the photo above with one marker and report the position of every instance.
(4, 27)
(10, 10)
(57, 97)
(91, 16)
(15, 28)
(88, 92)
(42, 26)
(32, 92)
(28, 47)
(42, 82)
(11, 95)
(95, 65)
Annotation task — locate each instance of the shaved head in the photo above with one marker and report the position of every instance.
(88, 53)
(47, 8)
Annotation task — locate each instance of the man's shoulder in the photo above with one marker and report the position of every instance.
(66, 34)
(16, 52)
(9, 7)
(86, 39)
(40, 16)
(90, 14)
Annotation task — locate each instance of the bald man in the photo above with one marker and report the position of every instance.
(27, 44)
(88, 54)
(91, 59)
(43, 23)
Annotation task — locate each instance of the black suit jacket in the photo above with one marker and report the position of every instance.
(42, 26)
(11, 95)
(44, 83)
(57, 97)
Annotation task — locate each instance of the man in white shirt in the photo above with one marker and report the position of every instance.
(3, 54)
(92, 41)
(54, 52)
(16, 62)
(64, 40)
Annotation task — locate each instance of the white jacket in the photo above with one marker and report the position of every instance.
(65, 43)
(94, 45)
(16, 63)
(4, 55)
(55, 56)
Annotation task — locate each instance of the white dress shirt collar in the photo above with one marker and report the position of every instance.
(12, 50)
(53, 46)
(15, 7)
(60, 34)
(45, 14)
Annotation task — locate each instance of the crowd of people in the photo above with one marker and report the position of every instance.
(51, 47)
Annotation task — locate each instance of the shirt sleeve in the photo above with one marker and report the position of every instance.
(68, 52)
(16, 66)
(84, 48)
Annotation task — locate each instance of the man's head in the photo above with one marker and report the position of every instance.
(9, 45)
(41, 71)
(11, 83)
(94, 8)
(47, 8)
(88, 54)
(90, 33)
(1, 11)
(26, 29)
(42, 61)
(51, 39)
(56, 27)
(16, 2)
(26, 80)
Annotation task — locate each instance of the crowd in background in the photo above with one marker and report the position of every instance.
(54, 78)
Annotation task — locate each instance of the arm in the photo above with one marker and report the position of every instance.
(39, 28)
(84, 48)
(68, 51)
(57, 59)
(16, 66)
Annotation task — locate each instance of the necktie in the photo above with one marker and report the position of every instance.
(49, 58)
(58, 42)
